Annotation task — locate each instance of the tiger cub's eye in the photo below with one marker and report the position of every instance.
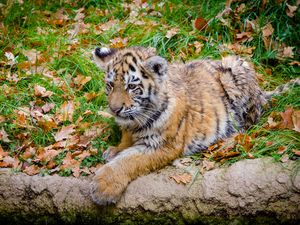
(132, 86)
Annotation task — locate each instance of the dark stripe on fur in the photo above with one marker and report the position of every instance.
(154, 116)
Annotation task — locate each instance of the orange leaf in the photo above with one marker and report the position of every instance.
(240, 49)
(32, 170)
(296, 152)
(200, 23)
(2, 118)
(269, 143)
(90, 96)
(245, 141)
(295, 63)
(69, 162)
(2, 153)
(267, 30)
(118, 42)
(51, 164)
(81, 80)
(66, 111)
(184, 178)
(29, 153)
(281, 150)
(287, 118)
(296, 120)
(47, 125)
(64, 133)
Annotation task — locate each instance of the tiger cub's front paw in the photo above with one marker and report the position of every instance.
(107, 186)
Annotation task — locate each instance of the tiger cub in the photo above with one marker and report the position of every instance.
(168, 110)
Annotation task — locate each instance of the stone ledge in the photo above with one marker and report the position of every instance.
(257, 190)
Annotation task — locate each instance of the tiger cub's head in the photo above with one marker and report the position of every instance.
(134, 81)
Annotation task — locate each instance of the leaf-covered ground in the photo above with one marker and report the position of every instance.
(52, 102)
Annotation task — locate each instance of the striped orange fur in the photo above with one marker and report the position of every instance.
(167, 110)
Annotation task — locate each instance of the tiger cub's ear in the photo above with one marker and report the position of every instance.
(157, 66)
(102, 56)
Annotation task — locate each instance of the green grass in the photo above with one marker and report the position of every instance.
(27, 27)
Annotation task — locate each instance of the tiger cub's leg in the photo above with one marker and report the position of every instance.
(112, 151)
(112, 179)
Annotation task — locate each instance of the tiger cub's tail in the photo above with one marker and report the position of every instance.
(282, 88)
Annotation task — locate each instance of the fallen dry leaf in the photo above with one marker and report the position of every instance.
(78, 28)
(296, 120)
(59, 15)
(40, 91)
(281, 150)
(118, 42)
(244, 36)
(295, 63)
(48, 107)
(284, 158)
(81, 80)
(21, 120)
(32, 55)
(198, 45)
(287, 118)
(240, 49)
(207, 165)
(200, 23)
(76, 172)
(47, 124)
(106, 26)
(182, 179)
(90, 96)
(4, 136)
(66, 111)
(186, 161)
(79, 15)
(245, 141)
(69, 162)
(285, 52)
(296, 152)
(172, 32)
(2, 118)
(2, 153)
(64, 133)
(11, 58)
(269, 143)
(29, 153)
(83, 155)
(267, 30)
(274, 120)
(46, 155)
(104, 114)
(32, 170)
(291, 10)
(288, 52)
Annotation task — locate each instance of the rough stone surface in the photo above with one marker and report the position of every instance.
(259, 190)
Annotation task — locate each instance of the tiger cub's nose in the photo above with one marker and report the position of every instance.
(116, 109)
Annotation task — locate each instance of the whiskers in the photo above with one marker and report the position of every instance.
(142, 117)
